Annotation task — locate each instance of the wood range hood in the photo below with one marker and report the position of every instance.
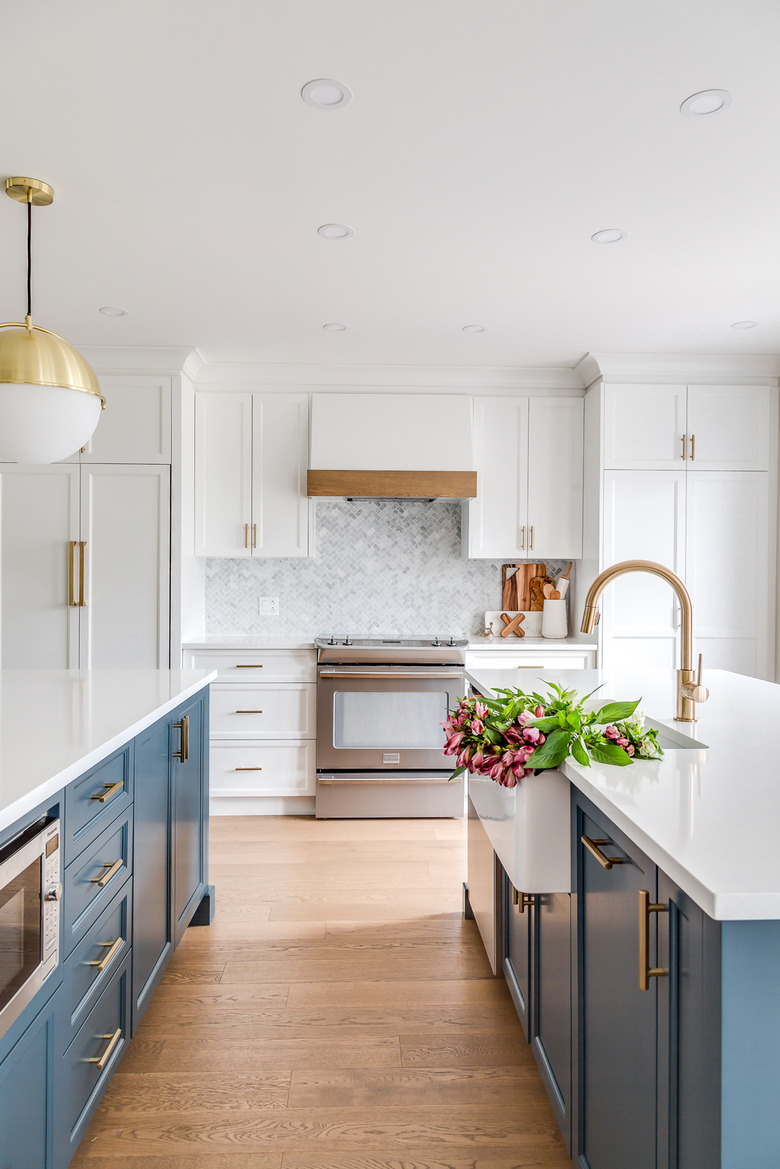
(391, 446)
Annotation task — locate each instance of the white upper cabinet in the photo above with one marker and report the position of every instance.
(529, 479)
(135, 426)
(250, 475)
(701, 428)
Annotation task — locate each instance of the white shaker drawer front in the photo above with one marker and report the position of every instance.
(265, 769)
(531, 660)
(285, 711)
(257, 665)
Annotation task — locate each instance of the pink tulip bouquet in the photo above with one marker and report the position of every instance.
(517, 734)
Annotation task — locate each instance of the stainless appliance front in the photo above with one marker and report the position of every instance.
(30, 892)
(384, 718)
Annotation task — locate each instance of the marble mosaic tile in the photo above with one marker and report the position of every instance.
(382, 567)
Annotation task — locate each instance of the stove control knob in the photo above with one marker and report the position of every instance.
(332, 641)
(53, 893)
(347, 641)
(451, 641)
(436, 641)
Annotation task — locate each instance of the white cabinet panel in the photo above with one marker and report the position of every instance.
(728, 428)
(262, 769)
(263, 712)
(280, 509)
(255, 665)
(555, 478)
(39, 518)
(223, 474)
(728, 568)
(250, 475)
(644, 426)
(529, 479)
(135, 426)
(644, 519)
(125, 523)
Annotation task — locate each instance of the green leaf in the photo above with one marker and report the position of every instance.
(579, 752)
(573, 719)
(614, 711)
(544, 724)
(553, 750)
(493, 736)
(609, 753)
(458, 771)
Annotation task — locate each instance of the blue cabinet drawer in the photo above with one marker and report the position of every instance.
(95, 799)
(94, 877)
(92, 964)
(88, 1064)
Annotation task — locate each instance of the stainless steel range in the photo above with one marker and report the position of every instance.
(380, 705)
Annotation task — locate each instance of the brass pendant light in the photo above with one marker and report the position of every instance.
(50, 400)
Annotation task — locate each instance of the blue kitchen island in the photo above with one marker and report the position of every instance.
(647, 978)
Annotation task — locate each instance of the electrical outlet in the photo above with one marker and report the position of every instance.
(268, 606)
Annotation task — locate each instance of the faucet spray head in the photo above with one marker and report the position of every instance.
(590, 618)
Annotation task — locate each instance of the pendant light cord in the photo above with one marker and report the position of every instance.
(29, 258)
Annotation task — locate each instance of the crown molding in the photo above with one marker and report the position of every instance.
(116, 359)
(380, 378)
(671, 367)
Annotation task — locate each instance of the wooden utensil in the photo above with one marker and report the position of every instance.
(512, 624)
(525, 574)
(536, 585)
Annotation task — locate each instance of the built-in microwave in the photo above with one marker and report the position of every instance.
(30, 892)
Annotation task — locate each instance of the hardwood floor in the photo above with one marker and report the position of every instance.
(338, 1014)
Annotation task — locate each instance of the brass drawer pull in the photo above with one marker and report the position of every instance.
(522, 900)
(249, 769)
(522, 539)
(606, 862)
(101, 963)
(110, 790)
(100, 1061)
(646, 971)
(72, 572)
(531, 540)
(82, 548)
(248, 666)
(184, 726)
(249, 712)
(682, 440)
(254, 535)
(246, 535)
(113, 869)
(693, 447)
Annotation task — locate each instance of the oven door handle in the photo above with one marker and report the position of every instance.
(390, 677)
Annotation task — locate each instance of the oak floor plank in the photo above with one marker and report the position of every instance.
(431, 992)
(535, 1158)
(349, 1089)
(253, 1054)
(190, 1092)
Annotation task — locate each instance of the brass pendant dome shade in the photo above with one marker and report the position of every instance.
(50, 399)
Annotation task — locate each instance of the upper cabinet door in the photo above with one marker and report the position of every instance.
(555, 478)
(728, 428)
(498, 517)
(223, 474)
(135, 426)
(280, 448)
(644, 427)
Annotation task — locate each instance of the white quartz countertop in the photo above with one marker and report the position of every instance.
(250, 641)
(709, 817)
(515, 644)
(56, 724)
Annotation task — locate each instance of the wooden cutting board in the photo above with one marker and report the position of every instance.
(536, 585)
(515, 586)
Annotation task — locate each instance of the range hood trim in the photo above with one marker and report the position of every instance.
(392, 484)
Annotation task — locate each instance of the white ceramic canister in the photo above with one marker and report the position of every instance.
(554, 619)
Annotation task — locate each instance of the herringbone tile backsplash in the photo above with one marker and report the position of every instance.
(381, 567)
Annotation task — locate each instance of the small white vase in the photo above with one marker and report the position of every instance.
(554, 619)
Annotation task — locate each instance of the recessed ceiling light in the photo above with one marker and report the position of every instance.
(474, 329)
(326, 94)
(335, 231)
(109, 311)
(744, 324)
(335, 327)
(609, 235)
(707, 101)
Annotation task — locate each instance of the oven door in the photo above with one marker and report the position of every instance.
(21, 929)
(384, 718)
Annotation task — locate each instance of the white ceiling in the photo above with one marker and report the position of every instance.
(485, 142)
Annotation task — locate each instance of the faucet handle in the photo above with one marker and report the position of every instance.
(694, 690)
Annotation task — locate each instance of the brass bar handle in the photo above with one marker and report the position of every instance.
(249, 769)
(682, 440)
(102, 963)
(246, 535)
(183, 725)
(531, 543)
(693, 447)
(249, 712)
(606, 862)
(522, 538)
(646, 971)
(113, 869)
(72, 572)
(100, 1061)
(522, 900)
(82, 550)
(248, 666)
(110, 790)
(254, 535)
